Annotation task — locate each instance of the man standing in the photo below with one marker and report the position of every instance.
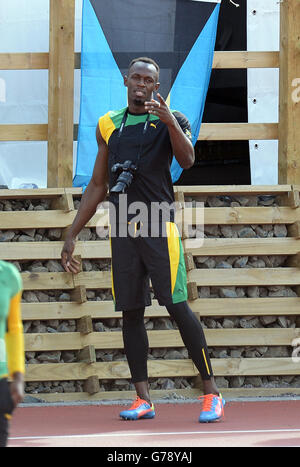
(12, 361)
(135, 150)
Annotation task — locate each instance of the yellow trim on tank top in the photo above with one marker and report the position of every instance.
(106, 126)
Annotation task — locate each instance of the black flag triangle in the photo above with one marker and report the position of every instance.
(164, 30)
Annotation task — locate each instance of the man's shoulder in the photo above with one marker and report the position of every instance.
(179, 115)
(183, 122)
(109, 122)
(113, 114)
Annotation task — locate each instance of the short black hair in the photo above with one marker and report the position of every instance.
(145, 60)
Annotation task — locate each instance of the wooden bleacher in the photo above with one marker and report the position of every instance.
(61, 214)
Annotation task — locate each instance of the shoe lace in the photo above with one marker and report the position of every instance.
(208, 402)
(136, 403)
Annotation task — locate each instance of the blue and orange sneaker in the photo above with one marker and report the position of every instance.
(139, 409)
(213, 408)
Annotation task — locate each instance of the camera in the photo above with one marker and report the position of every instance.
(124, 180)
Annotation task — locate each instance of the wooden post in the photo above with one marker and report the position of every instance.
(61, 93)
(289, 93)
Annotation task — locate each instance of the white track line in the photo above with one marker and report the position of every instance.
(169, 433)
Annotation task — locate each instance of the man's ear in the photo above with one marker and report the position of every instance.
(125, 80)
(157, 87)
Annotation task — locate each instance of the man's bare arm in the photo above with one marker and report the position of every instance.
(94, 194)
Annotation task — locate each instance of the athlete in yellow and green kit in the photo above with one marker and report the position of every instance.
(12, 361)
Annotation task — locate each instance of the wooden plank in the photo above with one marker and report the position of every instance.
(159, 394)
(68, 310)
(64, 202)
(161, 368)
(192, 291)
(255, 366)
(160, 339)
(40, 219)
(87, 354)
(222, 59)
(39, 193)
(66, 280)
(93, 279)
(245, 277)
(48, 281)
(30, 251)
(237, 215)
(233, 59)
(289, 97)
(250, 190)
(206, 307)
(208, 277)
(30, 132)
(22, 251)
(221, 307)
(24, 61)
(241, 246)
(92, 385)
(209, 131)
(85, 325)
(291, 199)
(78, 294)
(15, 220)
(98, 250)
(238, 131)
(105, 370)
(293, 230)
(61, 93)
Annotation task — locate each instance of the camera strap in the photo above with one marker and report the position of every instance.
(142, 135)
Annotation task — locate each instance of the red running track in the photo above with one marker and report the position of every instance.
(247, 424)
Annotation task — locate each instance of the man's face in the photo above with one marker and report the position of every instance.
(141, 82)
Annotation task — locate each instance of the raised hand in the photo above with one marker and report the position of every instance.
(160, 109)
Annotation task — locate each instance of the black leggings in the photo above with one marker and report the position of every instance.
(3, 430)
(136, 343)
(6, 407)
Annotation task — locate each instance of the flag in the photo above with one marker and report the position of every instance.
(178, 34)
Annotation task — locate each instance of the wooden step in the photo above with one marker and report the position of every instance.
(205, 307)
(39, 193)
(231, 190)
(31, 251)
(18, 220)
(160, 339)
(161, 368)
(242, 246)
(245, 277)
(167, 395)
